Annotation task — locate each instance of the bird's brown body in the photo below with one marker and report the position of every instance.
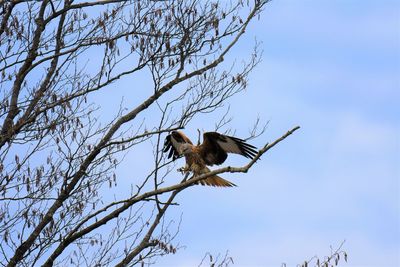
(212, 151)
(196, 164)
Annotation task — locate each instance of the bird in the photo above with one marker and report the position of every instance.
(213, 151)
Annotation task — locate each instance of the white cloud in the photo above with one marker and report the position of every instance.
(353, 133)
(294, 247)
(336, 22)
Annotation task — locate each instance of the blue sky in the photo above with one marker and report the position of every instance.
(332, 67)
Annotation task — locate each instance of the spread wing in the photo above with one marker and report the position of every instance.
(215, 148)
(173, 142)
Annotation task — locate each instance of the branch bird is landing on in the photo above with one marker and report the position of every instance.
(213, 150)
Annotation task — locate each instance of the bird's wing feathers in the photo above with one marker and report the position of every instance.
(168, 147)
(215, 147)
(210, 150)
(173, 142)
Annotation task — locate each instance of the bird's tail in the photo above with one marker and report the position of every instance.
(215, 180)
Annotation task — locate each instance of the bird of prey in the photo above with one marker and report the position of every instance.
(213, 150)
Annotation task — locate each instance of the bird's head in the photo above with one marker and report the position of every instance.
(180, 137)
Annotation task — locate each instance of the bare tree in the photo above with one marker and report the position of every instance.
(58, 159)
(336, 255)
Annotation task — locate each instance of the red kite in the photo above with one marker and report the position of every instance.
(212, 151)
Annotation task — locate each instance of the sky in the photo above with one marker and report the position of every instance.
(332, 67)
